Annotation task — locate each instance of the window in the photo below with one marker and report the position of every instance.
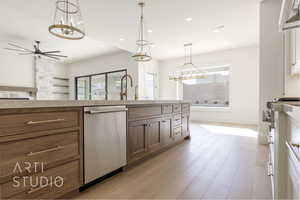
(104, 86)
(149, 86)
(211, 91)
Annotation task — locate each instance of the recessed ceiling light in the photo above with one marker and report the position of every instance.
(122, 39)
(218, 28)
(189, 19)
(153, 45)
(150, 31)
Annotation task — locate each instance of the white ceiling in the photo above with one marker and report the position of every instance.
(109, 20)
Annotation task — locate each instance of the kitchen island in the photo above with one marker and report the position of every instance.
(45, 139)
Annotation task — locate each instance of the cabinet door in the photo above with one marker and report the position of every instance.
(293, 47)
(185, 125)
(166, 131)
(137, 140)
(154, 135)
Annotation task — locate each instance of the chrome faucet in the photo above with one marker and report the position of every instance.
(122, 94)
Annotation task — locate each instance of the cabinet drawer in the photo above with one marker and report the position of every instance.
(176, 108)
(144, 111)
(185, 108)
(177, 133)
(167, 109)
(63, 178)
(177, 120)
(13, 124)
(46, 149)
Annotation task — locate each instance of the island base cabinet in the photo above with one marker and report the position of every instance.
(166, 131)
(154, 135)
(153, 129)
(137, 140)
(185, 125)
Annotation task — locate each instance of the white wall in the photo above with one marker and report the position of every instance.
(243, 64)
(118, 61)
(271, 59)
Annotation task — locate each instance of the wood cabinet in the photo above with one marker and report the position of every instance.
(40, 152)
(153, 128)
(154, 135)
(166, 131)
(185, 124)
(137, 139)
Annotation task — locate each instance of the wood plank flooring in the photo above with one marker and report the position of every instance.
(219, 162)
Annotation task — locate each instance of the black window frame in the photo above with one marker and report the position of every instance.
(90, 83)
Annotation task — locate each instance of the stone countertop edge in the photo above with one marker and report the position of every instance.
(10, 104)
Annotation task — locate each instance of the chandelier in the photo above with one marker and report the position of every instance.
(189, 71)
(143, 53)
(68, 23)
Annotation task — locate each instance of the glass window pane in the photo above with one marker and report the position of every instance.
(98, 91)
(149, 86)
(83, 88)
(211, 91)
(114, 85)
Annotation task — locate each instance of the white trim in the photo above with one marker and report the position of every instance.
(210, 109)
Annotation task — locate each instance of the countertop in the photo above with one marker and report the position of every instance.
(74, 103)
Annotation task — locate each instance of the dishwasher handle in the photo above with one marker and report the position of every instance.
(99, 110)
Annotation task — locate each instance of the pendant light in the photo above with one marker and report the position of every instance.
(188, 70)
(143, 53)
(68, 23)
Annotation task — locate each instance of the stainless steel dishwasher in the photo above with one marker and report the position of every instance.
(104, 140)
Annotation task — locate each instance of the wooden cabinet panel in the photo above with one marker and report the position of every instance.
(185, 108)
(137, 140)
(166, 131)
(176, 108)
(177, 134)
(47, 149)
(167, 109)
(144, 111)
(154, 135)
(185, 125)
(154, 128)
(14, 124)
(177, 120)
(35, 187)
(41, 142)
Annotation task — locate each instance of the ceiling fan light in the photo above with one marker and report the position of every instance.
(67, 23)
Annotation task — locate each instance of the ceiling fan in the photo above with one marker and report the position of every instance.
(37, 51)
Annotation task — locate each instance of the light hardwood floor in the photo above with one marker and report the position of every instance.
(219, 162)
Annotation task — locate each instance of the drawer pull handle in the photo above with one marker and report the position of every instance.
(296, 145)
(33, 190)
(164, 121)
(45, 121)
(45, 151)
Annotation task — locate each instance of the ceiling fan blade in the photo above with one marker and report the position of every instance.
(52, 52)
(14, 45)
(55, 55)
(19, 50)
(50, 57)
(25, 53)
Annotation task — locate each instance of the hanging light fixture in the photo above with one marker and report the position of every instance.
(189, 71)
(143, 53)
(68, 23)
